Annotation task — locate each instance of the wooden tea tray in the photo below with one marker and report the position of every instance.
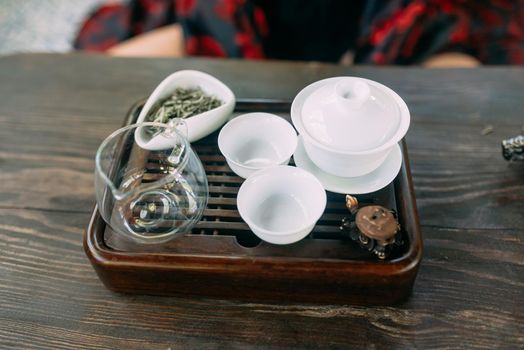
(222, 258)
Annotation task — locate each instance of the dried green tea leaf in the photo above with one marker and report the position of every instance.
(183, 103)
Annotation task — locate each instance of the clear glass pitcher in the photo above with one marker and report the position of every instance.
(150, 185)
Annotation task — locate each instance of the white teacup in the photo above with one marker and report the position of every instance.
(255, 141)
(281, 204)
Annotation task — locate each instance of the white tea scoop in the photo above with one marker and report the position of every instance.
(200, 125)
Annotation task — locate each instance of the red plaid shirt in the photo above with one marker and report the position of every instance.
(392, 32)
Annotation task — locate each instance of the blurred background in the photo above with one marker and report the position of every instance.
(433, 33)
(42, 25)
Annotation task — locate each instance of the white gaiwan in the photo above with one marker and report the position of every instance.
(349, 125)
(200, 125)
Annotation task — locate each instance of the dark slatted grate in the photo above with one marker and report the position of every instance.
(221, 219)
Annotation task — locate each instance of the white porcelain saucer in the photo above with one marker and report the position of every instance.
(374, 181)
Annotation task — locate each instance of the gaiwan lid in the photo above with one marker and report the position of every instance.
(350, 114)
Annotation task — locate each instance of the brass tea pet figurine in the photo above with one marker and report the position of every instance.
(373, 227)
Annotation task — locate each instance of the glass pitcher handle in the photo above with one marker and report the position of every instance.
(178, 128)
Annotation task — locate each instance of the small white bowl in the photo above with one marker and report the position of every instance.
(200, 125)
(281, 205)
(255, 141)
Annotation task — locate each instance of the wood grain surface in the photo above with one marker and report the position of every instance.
(469, 293)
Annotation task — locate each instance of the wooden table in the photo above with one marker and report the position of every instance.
(56, 109)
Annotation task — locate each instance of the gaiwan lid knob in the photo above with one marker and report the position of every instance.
(351, 114)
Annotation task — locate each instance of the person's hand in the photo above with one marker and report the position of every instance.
(166, 41)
